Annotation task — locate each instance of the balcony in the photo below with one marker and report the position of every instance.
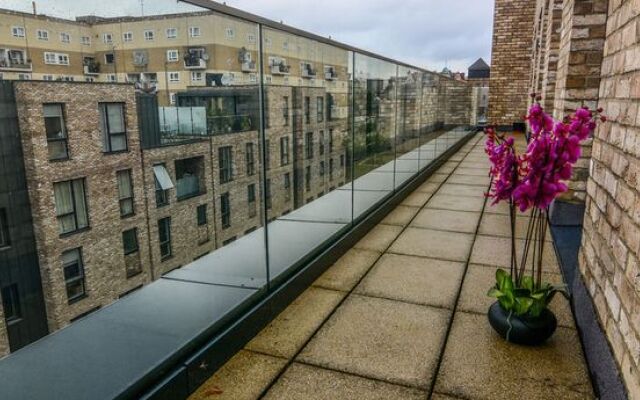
(307, 71)
(195, 63)
(330, 73)
(92, 69)
(280, 68)
(248, 66)
(20, 65)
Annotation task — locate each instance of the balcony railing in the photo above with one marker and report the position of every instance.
(330, 74)
(92, 69)
(194, 63)
(308, 71)
(13, 65)
(248, 66)
(280, 69)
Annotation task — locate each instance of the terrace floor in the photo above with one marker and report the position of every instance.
(402, 315)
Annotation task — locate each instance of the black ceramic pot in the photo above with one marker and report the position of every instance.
(522, 330)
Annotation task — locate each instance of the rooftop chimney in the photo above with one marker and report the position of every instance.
(33, 4)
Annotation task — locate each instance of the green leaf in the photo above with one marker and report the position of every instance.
(522, 305)
(527, 283)
(494, 292)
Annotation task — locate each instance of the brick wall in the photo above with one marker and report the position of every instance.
(609, 256)
(510, 60)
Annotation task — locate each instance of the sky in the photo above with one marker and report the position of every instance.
(427, 33)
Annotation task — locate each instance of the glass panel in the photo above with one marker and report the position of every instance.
(306, 110)
(408, 93)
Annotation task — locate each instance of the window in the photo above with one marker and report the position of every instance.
(320, 108)
(342, 160)
(251, 37)
(284, 150)
(321, 143)
(127, 37)
(201, 214)
(189, 177)
(172, 33)
(250, 159)
(163, 184)
(172, 98)
(330, 140)
(226, 163)
(164, 237)
(41, 34)
(5, 241)
(194, 31)
(85, 40)
(225, 210)
(130, 241)
(54, 126)
(307, 178)
(11, 304)
(73, 269)
(196, 76)
(251, 193)
(56, 58)
(114, 129)
(174, 76)
(71, 207)
(321, 168)
(287, 182)
(149, 35)
(65, 37)
(107, 38)
(125, 192)
(307, 110)
(285, 110)
(47, 77)
(267, 154)
(111, 78)
(309, 144)
(109, 58)
(17, 31)
(24, 77)
(172, 55)
(331, 168)
(267, 193)
(230, 33)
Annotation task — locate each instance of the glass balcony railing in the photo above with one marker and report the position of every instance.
(239, 175)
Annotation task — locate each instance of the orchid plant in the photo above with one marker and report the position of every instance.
(531, 181)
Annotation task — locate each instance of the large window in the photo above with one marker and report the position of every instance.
(285, 110)
(125, 192)
(251, 199)
(267, 154)
(330, 140)
(267, 193)
(201, 214)
(225, 161)
(307, 110)
(320, 109)
(164, 237)
(284, 150)
(189, 177)
(71, 207)
(55, 128)
(73, 268)
(309, 144)
(321, 143)
(5, 240)
(114, 129)
(130, 241)
(250, 159)
(307, 178)
(225, 210)
(11, 304)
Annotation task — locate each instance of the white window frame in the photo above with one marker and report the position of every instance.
(85, 40)
(172, 36)
(194, 31)
(42, 34)
(173, 55)
(50, 58)
(111, 78)
(127, 37)
(251, 37)
(18, 31)
(149, 35)
(63, 59)
(47, 77)
(198, 74)
(24, 77)
(229, 32)
(172, 98)
(65, 37)
(174, 77)
(107, 38)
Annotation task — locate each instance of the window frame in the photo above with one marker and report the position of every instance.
(131, 198)
(201, 217)
(65, 35)
(284, 150)
(166, 224)
(127, 37)
(5, 234)
(308, 145)
(307, 110)
(160, 192)
(250, 159)
(285, 110)
(63, 124)
(16, 29)
(193, 30)
(42, 34)
(174, 36)
(74, 211)
(225, 210)
(80, 278)
(12, 307)
(107, 134)
(320, 109)
(132, 250)
(225, 171)
(171, 53)
(174, 77)
(149, 35)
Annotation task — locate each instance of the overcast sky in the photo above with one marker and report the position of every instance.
(426, 33)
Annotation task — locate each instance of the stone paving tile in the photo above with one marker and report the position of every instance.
(478, 364)
(464, 170)
(469, 180)
(305, 382)
(414, 279)
(500, 225)
(447, 220)
(461, 190)
(401, 215)
(347, 271)
(286, 334)
(437, 178)
(446, 169)
(417, 199)
(456, 203)
(244, 377)
(379, 238)
(479, 279)
(440, 396)
(502, 208)
(496, 251)
(452, 246)
(429, 187)
(383, 339)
